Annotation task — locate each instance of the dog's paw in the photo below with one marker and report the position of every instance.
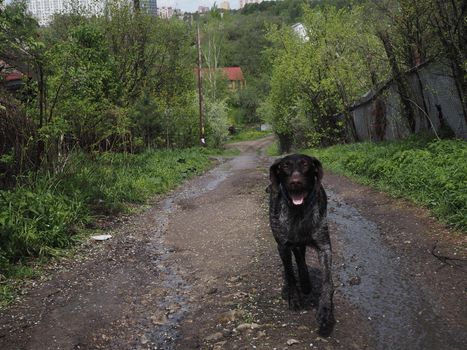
(325, 318)
(294, 303)
(305, 286)
(293, 296)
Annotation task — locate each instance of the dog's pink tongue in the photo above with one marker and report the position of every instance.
(298, 199)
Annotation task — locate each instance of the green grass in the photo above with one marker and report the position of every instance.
(249, 134)
(46, 214)
(273, 149)
(7, 295)
(429, 172)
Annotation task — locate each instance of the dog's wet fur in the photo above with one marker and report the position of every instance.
(297, 215)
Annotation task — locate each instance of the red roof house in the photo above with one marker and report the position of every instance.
(233, 74)
(10, 77)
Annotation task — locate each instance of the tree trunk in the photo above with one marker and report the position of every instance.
(285, 143)
(40, 143)
(350, 128)
(449, 21)
(461, 85)
(401, 82)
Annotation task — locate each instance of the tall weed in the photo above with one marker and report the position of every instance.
(429, 172)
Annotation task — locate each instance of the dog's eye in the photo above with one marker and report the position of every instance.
(304, 164)
(285, 166)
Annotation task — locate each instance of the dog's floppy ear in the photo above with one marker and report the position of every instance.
(318, 174)
(274, 175)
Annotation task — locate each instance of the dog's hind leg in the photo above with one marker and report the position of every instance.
(300, 254)
(325, 316)
(290, 284)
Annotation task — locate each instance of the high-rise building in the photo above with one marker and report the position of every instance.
(203, 9)
(166, 12)
(150, 6)
(43, 10)
(224, 5)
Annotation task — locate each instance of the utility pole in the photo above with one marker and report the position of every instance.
(202, 139)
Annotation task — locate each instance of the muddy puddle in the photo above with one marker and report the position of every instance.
(373, 278)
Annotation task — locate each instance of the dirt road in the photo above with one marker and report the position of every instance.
(199, 269)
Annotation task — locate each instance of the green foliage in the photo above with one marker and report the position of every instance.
(248, 134)
(273, 149)
(245, 103)
(317, 75)
(42, 216)
(17, 31)
(429, 172)
(81, 83)
(217, 123)
(33, 220)
(95, 77)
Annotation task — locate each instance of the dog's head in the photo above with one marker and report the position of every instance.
(299, 175)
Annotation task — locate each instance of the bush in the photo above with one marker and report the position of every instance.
(216, 123)
(429, 172)
(35, 220)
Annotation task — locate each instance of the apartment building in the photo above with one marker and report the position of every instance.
(43, 10)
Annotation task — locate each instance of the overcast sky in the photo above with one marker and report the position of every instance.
(189, 5)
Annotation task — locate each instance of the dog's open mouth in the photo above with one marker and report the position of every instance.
(297, 198)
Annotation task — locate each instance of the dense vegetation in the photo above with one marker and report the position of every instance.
(346, 50)
(124, 81)
(108, 83)
(427, 171)
(108, 110)
(106, 116)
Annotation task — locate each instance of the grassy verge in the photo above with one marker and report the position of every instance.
(249, 134)
(429, 172)
(273, 149)
(44, 215)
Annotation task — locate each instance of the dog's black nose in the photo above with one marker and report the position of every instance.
(296, 179)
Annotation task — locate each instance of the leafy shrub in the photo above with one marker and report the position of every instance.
(35, 220)
(216, 123)
(429, 172)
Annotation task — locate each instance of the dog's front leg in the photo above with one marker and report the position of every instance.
(325, 316)
(290, 285)
(300, 257)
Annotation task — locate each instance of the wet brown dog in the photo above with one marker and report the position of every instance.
(297, 215)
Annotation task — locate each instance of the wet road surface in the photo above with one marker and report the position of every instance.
(199, 269)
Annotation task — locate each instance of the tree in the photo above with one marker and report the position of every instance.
(449, 17)
(317, 76)
(21, 46)
(417, 31)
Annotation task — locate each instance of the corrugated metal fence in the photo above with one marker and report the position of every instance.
(378, 115)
